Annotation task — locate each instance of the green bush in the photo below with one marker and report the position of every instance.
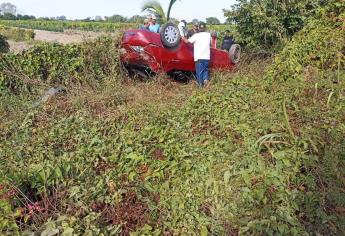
(57, 64)
(267, 23)
(4, 46)
(17, 34)
(308, 78)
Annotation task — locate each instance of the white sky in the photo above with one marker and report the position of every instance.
(79, 9)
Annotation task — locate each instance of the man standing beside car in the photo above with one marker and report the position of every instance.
(202, 53)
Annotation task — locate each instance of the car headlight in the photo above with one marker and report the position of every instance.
(138, 49)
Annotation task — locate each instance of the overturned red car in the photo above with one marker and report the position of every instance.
(144, 53)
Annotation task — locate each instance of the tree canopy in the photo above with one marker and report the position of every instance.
(212, 21)
(155, 8)
(7, 7)
(269, 22)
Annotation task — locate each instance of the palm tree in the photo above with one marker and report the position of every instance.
(172, 2)
(154, 7)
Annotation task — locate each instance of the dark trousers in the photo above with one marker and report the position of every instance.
(202, 71)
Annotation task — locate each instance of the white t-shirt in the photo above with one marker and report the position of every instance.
(182, 28)
(202, 45)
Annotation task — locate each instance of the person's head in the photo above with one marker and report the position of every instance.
(202, 27)
(196, 27)
(146, 22)
(184, 22)
(227, 32)
(154, 19)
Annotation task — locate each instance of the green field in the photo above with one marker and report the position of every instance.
(60, 26)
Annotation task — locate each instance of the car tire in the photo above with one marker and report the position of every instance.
(235, 53)
(170, 35)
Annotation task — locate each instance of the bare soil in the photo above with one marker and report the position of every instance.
(65, 37)
(17, 47)
(59, 37)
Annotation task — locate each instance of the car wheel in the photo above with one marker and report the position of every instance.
(235, 53)
(170, 35)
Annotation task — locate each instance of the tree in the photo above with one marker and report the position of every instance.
(98, 18)
(136, 19)
(61, 18)
(195, 21)
(212, 21)
(7, 7)
(8, 16)
(87, 19)
(266, 23)
(174, 20)
(155, 8)
(25, 17)
(172, 2)
(116, 19)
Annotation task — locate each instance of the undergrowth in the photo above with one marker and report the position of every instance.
(60, 65)
(260, 152)
(4, 46)
(17, 34)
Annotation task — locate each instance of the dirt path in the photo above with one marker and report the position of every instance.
(17, 47)
(59, 37)
(65, 37)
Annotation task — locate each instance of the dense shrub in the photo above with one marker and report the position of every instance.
(268, 23)
(4, 46)
(17, 34)
(320, 46)
(309, 75)
(53, 63)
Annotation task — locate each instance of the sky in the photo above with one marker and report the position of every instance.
(80, 9)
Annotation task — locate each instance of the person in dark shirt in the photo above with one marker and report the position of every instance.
(228, 41)
(193, 31)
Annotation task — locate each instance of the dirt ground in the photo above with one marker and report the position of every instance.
(18, 46)
(47, 36)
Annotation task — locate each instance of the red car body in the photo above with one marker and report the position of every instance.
(141, 48)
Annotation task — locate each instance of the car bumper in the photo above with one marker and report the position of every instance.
(137, 56)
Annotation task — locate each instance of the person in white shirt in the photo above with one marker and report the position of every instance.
(182, 27)
(202, 53)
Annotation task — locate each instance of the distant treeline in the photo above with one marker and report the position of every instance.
(9, 16)
(114, 18)
(111, 19)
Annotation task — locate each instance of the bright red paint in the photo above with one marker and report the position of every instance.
(158, 58)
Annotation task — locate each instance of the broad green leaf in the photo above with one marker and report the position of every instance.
(203, 231)
(227, 177)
